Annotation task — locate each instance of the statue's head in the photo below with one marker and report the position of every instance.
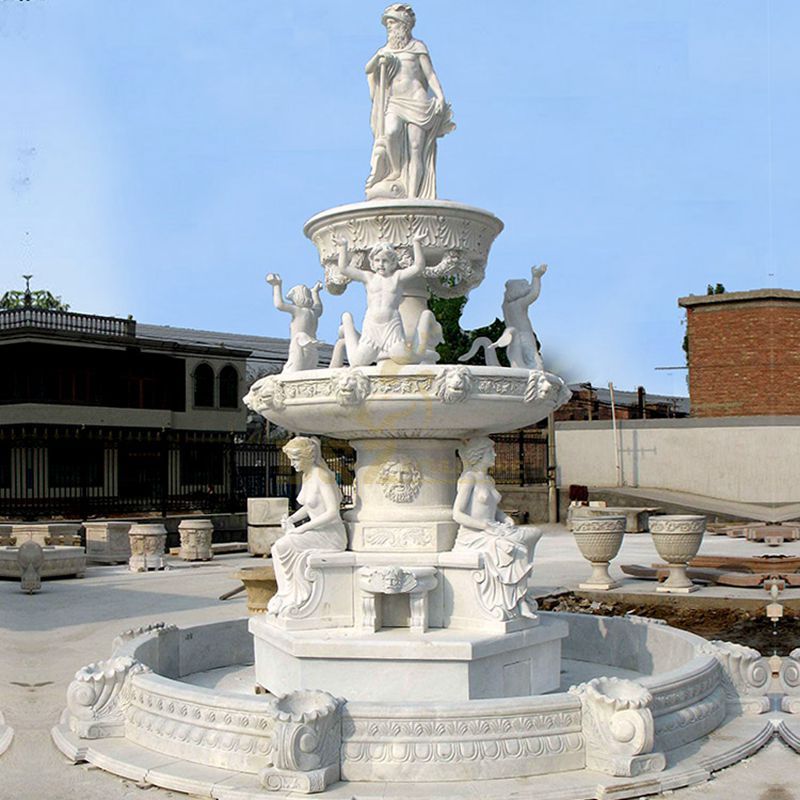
(300, 295)
(350, 387)
(400, 480)
(453, 384)
(515, 289)
(303, 451)
(399, 19)
(477, 453)
(383, 259)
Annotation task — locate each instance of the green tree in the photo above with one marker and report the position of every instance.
(457, 341)
(40, 299)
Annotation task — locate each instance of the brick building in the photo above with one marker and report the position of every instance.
(744, 353)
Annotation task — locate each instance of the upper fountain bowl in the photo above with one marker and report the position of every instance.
(421, 400)
(456, 239)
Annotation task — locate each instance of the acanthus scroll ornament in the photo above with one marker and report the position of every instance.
(747, 675)
(306, 741)
(96, 698)
(618, 727)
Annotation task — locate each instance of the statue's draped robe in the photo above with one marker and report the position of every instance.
(421, 113)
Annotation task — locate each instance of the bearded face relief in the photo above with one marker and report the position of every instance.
(453, 384)
(351, 387)
(400, 480)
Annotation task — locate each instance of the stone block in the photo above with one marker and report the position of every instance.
(266, 510)
(260, 538)
(107, 542)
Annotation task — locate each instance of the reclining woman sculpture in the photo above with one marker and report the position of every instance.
(319, 499)
(507, 549)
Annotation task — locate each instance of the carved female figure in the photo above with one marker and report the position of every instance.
(507, 549)
(323, 530)
(305, 308)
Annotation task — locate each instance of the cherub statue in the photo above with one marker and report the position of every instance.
(522, 346)
(383, 336)
(306, 308)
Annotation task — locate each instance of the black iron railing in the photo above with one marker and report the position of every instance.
(49, 471)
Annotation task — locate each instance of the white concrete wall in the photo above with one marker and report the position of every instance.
(744, 459)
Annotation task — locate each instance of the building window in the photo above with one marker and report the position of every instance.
(228, 387)
(204, 386)
(71, 466)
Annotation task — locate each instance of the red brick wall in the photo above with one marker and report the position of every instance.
(744, 358)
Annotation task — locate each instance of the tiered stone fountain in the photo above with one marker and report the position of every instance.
(403, 644)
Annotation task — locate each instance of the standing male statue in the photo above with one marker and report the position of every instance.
(409, 112)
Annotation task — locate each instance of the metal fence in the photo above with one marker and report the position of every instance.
(521, 457)
(70, 472)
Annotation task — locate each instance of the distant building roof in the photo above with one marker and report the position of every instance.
(267, 353)
(625, 398)
(738, 297)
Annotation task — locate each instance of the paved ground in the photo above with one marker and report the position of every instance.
(46, 637)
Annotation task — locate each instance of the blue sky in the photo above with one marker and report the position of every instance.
(159, 157)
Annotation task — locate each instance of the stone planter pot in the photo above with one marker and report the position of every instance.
(147, 547)
(196, 537)
(599, 540)
(677, 538)
(260, 584)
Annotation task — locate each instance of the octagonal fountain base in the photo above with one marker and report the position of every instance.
(176, 708)
(441, 665)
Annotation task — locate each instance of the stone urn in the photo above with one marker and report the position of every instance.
(196, 537)
(260, 584)
(147, 542)
(599, 540)
(677, 538)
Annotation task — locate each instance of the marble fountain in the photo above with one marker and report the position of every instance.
(403, 654)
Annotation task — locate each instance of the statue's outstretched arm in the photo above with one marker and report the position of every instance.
(419, 260)
(344, 262)
(316, 305)
(536, 284)
(277, 298)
